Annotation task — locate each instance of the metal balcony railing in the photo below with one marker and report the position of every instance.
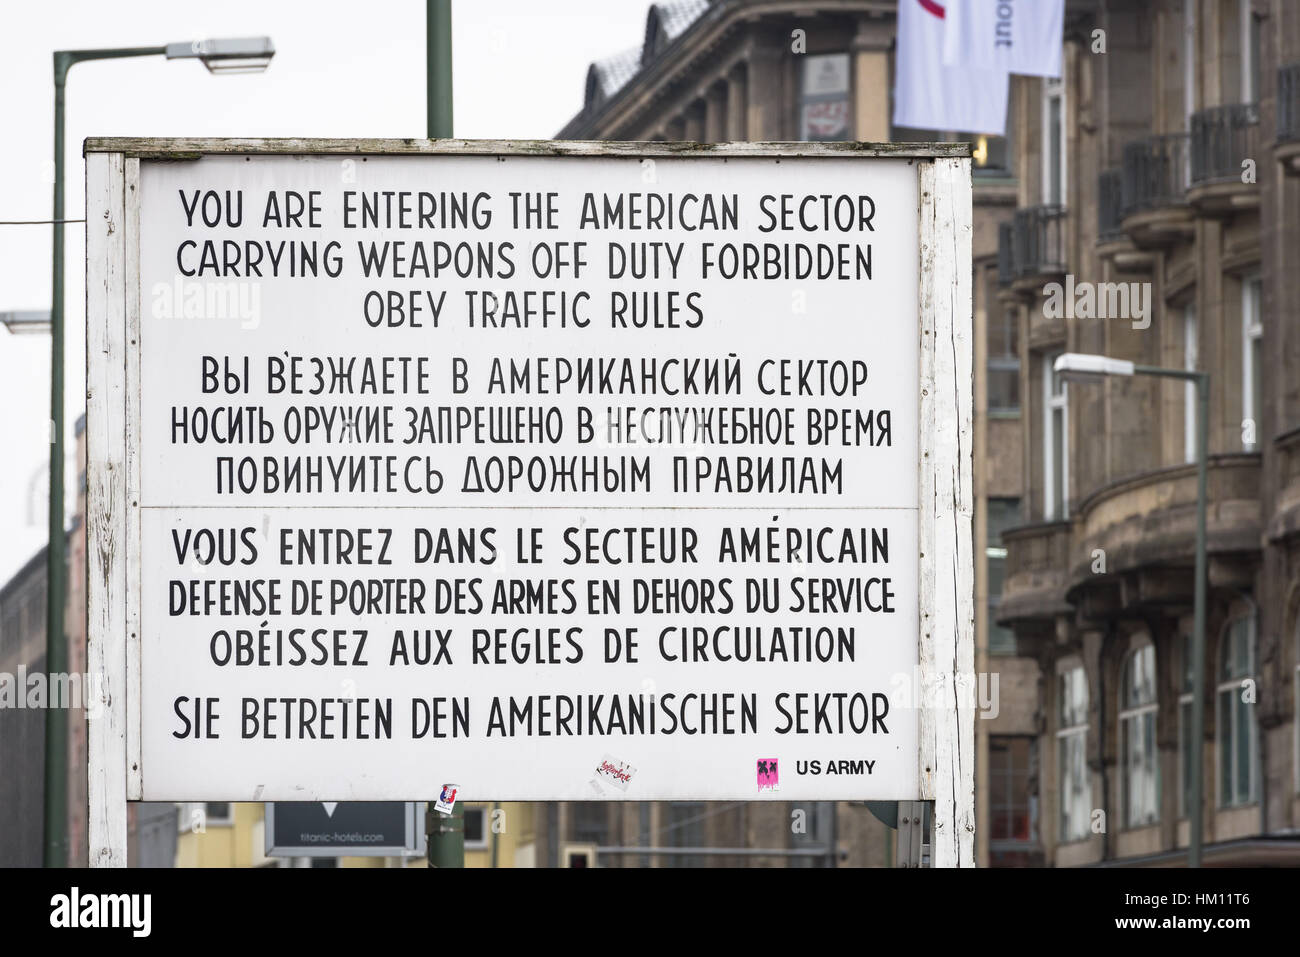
(1222, 138)
(1155, 171)
(1288, 103)
(1006, 254)
(1109, 216)
(1039, 241)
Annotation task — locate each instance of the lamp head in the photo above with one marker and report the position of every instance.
(227, 55)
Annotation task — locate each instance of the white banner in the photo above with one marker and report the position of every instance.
(930, 95)
(1015, 36)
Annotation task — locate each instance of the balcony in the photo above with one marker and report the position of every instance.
(1033, 592)
(1284, 524)
(1037, 247)
(1145, 526)
(1155, 175)
(1112, 242)
(1223, 138)
(1288, 118)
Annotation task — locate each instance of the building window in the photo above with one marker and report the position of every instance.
(1191, 349)
(1137, 728)
(1056, 445)
(824, 98)
(1013, 812)
(590, 822)
(1185, 699)
(475, 828)
(1249, 40)
(1054, 161)
(1003, 360)
(1252, 379)
(1297, 699)
(685, 828)
(1003, 513)
(1237, 737)
(992, 156)
(1072, 754)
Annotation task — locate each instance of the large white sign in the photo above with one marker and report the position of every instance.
(558, 477)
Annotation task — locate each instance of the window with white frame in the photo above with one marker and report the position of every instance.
(1296, 698)
(1140, 773)
(1054, 162)
(1252, 378)
(1237, 737)
(1056, 442)
(1191, 355)
(475, 828)
(1072, 753)
(1185, 699)
(824, 98)
(1003, 338)
(1250, 42)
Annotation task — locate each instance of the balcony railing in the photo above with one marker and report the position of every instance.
(1288, 103)
(1109, 185)
(1155, 173)
(1006, 254)
(1222, 138)
(1039, 241)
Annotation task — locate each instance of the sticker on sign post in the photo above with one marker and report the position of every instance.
(447, 799)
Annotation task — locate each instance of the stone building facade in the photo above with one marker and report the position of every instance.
(1155, 187)
(736, 70)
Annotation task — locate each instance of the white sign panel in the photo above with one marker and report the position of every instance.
(562, 477)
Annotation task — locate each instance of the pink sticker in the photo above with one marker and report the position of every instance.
(768, 776)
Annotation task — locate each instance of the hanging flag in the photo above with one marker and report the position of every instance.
(1016, 36)
(932, 96)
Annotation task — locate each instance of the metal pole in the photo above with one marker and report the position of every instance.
(446, 834)
(56, 639)
(438, 68)
(496, 838)
(56, 644)
(447, 837)
(1196, 800)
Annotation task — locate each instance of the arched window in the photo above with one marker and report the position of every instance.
(1237, 736)
(1072, 753)
(1137, 729)
(1297, 701)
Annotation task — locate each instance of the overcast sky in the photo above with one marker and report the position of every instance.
(341, 69)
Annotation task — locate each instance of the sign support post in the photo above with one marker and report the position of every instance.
(947, 639)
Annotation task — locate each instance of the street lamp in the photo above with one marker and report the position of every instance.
(1079, 366)
(242, 55)
(25, 322)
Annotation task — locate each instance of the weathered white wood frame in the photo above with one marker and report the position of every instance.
(946, 563)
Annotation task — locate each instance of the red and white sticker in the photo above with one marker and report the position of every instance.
(613, 772)
(447, 799)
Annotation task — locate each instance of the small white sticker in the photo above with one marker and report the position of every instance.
(447, 800)
(614, 772)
